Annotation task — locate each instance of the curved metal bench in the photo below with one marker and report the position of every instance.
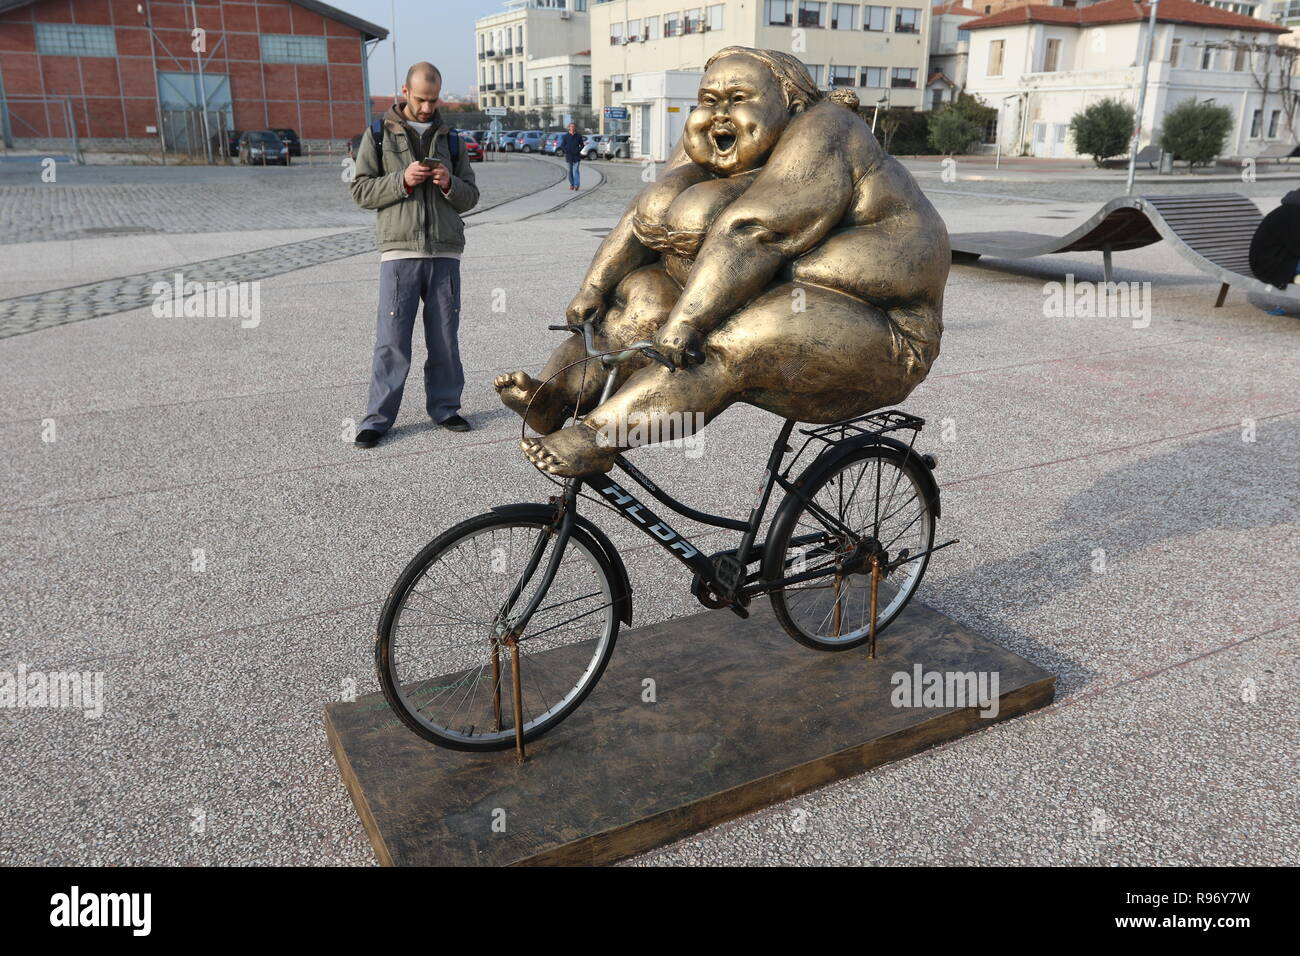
(1211, 232)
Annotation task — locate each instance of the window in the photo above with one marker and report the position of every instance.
(287, 48)
(1207, 59)
(904, 78)
(69, 39)
(1239, 60)
(1051, 56)
(815, 72)
(672, 24)
(633, 31)
(1256, 124)
(779, 13)
(615, 34)
(812, 14)
(1272, 123)
(548, 96)
(875, 19)
(936, 99)
(715, 17)
(843, 75)
(586, 90)
(1174, 49)
(650, 30)
(872, 76)
(995, 57)
(907, 20)
(694, 22)
(963, 36)
(844, 16)
(616, 82)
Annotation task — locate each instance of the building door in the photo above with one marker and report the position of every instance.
(1040, 138)
(182, 102)
(1058, 146)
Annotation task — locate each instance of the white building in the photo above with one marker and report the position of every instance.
(1039, 65)
(533, 39)
(559, 87)
(642, 52)
(949, 52)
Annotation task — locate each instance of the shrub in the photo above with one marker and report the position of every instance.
(1196, 132)
(903, 132)
(1103, 129)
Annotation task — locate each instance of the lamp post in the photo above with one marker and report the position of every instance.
(1142, 97)
(884, 99)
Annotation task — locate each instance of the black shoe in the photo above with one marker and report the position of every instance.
(455, 424)
(368, 438)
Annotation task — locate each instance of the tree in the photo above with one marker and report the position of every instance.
(1196, 131)
(959, 124)
(1103, 129)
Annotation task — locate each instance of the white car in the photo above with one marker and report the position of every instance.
(591, 143)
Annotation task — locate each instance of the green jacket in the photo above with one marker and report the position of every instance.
(424, 220)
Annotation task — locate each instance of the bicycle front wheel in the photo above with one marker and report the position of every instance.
(879, 496)
(443, 664)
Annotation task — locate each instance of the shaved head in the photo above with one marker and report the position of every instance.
(421, 91)
(425, 71)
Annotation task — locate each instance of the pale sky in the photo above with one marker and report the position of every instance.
(440, 31)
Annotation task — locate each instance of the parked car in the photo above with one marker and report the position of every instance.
(530, 141)
(262, 147)
(473, 150)
(290, 139)
(591, 143)
(232, 143)
(617, 146)
(551, 146)
(509, 140)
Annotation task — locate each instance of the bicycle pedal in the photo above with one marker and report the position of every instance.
(728, 570)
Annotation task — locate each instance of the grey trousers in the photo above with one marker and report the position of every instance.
(403, 284)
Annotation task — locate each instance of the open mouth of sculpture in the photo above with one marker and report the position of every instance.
(724, 140)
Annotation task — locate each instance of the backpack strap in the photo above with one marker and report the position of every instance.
(453, 144)
(377, 133)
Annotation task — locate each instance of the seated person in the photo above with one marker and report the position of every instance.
(1275, 248)
(780, 242)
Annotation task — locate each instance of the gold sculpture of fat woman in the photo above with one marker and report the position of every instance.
(780, 241)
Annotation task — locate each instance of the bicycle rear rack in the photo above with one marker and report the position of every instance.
(874, 423)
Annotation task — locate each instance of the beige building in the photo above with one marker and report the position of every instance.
(877, 49)
(533, 39)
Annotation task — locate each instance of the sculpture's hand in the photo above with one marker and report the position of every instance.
(587, 306)
(680, 343)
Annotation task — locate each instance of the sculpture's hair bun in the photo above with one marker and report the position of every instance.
(846, 98)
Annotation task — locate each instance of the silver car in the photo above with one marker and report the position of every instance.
(616, 146)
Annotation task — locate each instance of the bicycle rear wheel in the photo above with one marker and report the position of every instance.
(442, 662)
(880, 495)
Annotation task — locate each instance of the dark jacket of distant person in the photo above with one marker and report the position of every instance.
(571, 146)
(1275, 249)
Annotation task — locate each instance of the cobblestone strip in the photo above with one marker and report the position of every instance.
(43, 310)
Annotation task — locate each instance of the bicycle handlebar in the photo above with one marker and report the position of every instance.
(645, 347)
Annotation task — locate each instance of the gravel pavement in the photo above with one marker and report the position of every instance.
(199, 532)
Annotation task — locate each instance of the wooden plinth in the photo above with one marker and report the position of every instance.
(743, 717)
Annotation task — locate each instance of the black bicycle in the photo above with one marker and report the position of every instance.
(528, 598)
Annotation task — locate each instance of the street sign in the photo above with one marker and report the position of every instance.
(616, 112)
(495, 111)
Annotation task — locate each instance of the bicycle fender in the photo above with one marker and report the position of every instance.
(600, 540)
(831, 452)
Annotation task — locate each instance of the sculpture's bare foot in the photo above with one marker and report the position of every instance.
(517, 390)
(571, 451)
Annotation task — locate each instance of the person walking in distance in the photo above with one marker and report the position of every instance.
(411, 169)
(571, 147)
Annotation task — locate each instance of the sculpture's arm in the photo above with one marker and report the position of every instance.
(799, 196)
(622, 253)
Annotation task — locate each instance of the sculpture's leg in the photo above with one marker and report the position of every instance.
(654, 405)
(637, 308)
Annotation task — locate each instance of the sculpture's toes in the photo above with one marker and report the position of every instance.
(537, 453)
(516, 390)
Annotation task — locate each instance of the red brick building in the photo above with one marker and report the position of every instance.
(122, 68)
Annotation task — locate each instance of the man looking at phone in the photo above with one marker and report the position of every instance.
(419, 181)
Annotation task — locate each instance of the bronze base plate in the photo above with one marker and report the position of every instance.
(743, 718)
